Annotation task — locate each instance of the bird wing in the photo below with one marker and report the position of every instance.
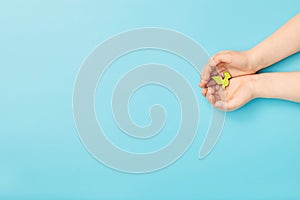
(218, 79)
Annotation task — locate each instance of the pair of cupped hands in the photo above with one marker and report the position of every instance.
(240, 89)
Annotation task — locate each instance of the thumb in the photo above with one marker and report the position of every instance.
(221, 105)
(221, 58)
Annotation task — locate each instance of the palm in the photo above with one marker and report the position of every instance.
(237, 94)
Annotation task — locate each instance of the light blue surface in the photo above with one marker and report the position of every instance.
(42, 47)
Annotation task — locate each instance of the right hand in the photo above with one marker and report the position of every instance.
(238, 93)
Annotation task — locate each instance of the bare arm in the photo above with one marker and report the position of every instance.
(245, 85)
(281, 44)
(280, 85)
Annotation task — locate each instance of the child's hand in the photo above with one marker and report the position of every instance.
(236, 63)
(243, 87)
(239, 92)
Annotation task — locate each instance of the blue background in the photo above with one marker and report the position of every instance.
(42, 46)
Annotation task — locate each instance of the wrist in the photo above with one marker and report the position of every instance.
(255, 85)
(253, 59)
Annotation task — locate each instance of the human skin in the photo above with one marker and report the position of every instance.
(245, 84)
(242, 89)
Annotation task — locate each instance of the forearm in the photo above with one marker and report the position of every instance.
(283, 43)
(280, 85)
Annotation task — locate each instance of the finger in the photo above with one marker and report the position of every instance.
(220, 93)
(211, 83)
(221, 58)
(227, 106)
(202, 84)
(221, 69)
(206, 71)
(217, 97)
(211, 99)
(221, 105)
(214, 73)
(210, 90)
(204, 91)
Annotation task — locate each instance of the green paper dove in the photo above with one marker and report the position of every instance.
(220, 81)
